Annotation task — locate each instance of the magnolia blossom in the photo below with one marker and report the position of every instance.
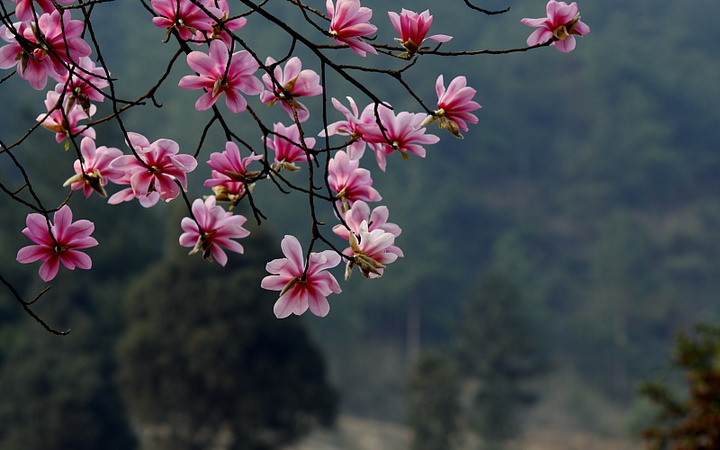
(351, 126)
(184, 16)
(230, 191)
(93, 172)
(301, 287)
(24, 8)
(63, 118)
(211, 230)
(370, 251)
(286, 144)
(220, 28)
(560, 26)
(348, 21)
(44, 48)
(57, 242)
(350, 182)
(230, 174)
(289, 84)
(375, 220)
(83, 84)
(359, 213)
(230, 165)
(412, 28)
(155, 175)
(403, 133)
(218, 73)
(454, 106)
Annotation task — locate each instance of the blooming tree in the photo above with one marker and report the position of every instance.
(48, 41)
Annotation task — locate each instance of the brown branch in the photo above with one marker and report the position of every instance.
(26, 306)
(485, 11)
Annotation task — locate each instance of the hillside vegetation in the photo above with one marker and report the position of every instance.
(592, 183)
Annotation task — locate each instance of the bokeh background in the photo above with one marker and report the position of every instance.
(555, 251)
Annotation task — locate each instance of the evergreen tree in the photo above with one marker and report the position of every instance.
(433, 390)
(497, 352)
(692, 423)
(204, 363)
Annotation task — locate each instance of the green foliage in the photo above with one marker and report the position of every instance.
(433, 407)
(496, 349)
(203, 360)
(690, 421)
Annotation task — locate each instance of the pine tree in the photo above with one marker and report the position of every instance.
(692, 423)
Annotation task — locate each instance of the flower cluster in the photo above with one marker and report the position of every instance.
(47, 42)
(43, 48)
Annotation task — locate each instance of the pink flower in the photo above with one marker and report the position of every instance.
(454, 106)
(94, 171)
(47, 47)
(230, 191)
(285, 142)
(402, 132)
(351, 126)
(294, 82)
(350, 182)
(375, 220)
(561, 23)
(230, 173)
(24, 8)
(63, 119)
(83, 83)
(299, 288)
(184, 16)
(220, 29)
(217, 229)
(412, 28)
(218, 73)
(156, 175)
(371, 238)
(371, 251)
(58, 242)
(348, 21)
(229, 165)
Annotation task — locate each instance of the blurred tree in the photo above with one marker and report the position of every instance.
(692, 423)
(204, 363)
(621, 292)
(432, 397)
(496, 350)
(58, 392)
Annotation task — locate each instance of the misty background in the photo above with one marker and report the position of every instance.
(590, 186)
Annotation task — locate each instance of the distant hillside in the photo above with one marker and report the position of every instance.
(592, 182)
